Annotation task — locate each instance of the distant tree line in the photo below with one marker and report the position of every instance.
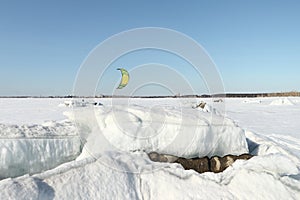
(228, 95)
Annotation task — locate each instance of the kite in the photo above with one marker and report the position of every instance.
(125, 78)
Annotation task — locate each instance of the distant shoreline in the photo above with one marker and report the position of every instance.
(227, 95)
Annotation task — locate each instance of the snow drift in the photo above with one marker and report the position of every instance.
(185, 133)
(134, 176)
(281, 101)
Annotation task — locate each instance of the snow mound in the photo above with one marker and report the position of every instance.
(185, 133)
(252, 101)
(281, 101)
(274, 144)
(135, 176)
(25, 188)
(34, 148)
(296, 100)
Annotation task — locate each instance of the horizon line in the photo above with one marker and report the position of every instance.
(230, 94)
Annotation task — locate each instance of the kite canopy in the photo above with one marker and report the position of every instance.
(125, 78)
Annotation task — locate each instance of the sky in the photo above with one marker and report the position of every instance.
(255, 45)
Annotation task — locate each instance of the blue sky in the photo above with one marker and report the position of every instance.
(255, 44)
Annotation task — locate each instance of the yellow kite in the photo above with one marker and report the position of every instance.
(125, 78)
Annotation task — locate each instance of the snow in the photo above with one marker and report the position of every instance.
(22, 156)
(114, 170)
(46, 129)
(281, 101)
(252, 101)
(34, 148)
(186, 132)
(264, 118)
(117, 175)
(31, 110)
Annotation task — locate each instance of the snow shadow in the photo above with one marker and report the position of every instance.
(252, 147)
(295, 176)
(46, 192)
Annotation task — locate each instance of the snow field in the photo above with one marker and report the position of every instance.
(109, 169)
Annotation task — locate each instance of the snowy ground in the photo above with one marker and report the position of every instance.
(31, 110)
(39, 134)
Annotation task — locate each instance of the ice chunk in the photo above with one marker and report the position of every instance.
(35, 148)
(185, 133)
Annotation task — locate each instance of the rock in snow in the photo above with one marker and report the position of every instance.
(214, 164)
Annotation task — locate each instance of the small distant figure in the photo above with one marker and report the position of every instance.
(97, 104)
(218, 100)
(200, 105)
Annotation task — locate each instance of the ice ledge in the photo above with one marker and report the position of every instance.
(27, 156)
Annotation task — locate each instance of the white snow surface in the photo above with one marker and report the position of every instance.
(174, 129)
(22, 111)
(281, 101)
(119, 175)
(115, 171)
